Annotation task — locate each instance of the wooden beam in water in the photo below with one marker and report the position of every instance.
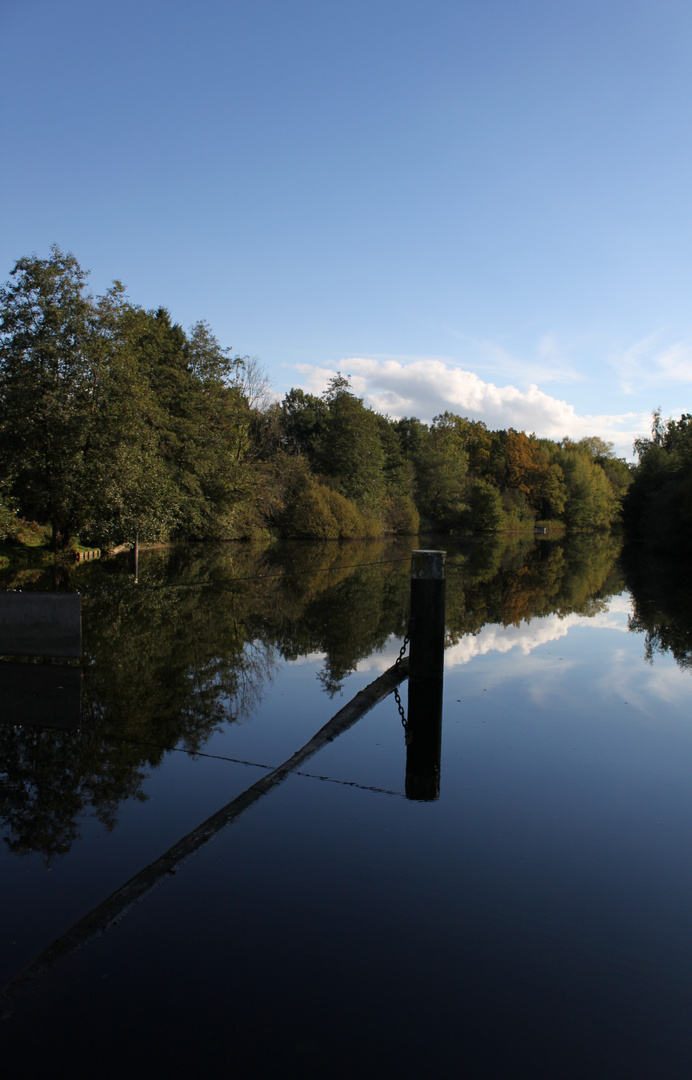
(108, 913)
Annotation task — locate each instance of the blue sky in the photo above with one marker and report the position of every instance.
(480, 206)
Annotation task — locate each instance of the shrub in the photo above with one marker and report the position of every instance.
(309, 516)
(6, 520)
(401, 516)
(349, 520)
(486, 507)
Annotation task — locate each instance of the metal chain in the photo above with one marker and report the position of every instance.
(400, 707)
(402, 714)
(402, 650)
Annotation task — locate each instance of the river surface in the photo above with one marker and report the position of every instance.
(528, 914)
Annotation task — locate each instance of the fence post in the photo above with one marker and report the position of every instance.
(426, 671)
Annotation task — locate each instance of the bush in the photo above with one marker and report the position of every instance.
(486, 507)
(309, 516)
(15, 530)
(517, 511)
(372, 528)
(349, 520)
(6, 520)
(318, 512)
(401, 516)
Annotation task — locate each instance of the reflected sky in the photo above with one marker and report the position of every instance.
(536, 913)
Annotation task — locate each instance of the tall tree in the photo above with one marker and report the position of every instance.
(442, 474)
(128, 489)
(352, 454)
(658, 505)
(48, 384)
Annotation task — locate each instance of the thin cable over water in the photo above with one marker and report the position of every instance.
(251, 764)
(226, 582)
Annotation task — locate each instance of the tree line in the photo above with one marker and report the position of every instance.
(659, 504)
(115, 421)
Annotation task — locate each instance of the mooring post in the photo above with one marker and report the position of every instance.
(427, 625)
(426, 671)
(424, 739)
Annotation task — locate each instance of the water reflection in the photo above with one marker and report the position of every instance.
(424, 739)
(662, 604)
(195, 646)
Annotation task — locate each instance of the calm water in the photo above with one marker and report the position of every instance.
(532, 920)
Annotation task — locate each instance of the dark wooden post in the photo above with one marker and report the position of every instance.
(427, 626)
(424, 739)
(426, 671)
(137, 557)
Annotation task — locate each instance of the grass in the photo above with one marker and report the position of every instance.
(27, 534)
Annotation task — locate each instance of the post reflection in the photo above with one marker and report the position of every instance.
(424, 739)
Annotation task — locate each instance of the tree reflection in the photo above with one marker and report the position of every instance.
(196, 644)
(662, 604)
(507, 583)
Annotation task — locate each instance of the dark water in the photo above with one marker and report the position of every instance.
(532, 920)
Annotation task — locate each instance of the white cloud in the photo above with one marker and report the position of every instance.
(502, 639)
(546, 362)
(675, 363)
(529, 635)
(549, 365)
(426, 387)
(645, 689)
(646, 363)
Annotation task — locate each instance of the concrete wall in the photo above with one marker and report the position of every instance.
(38, 695)
(40, 624)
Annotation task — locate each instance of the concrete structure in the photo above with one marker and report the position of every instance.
(40, 624)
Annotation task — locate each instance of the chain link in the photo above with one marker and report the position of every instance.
(402, 714)
(402, 650)
(400, 707)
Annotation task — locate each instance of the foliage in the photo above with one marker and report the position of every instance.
(589, 502)
(49, 382)
(441, 475)
(310, 516)
(658, 505)
(401, 516)
(7, 516)
(486, 506)
(349, 520)
(114, 422)
(661, 591)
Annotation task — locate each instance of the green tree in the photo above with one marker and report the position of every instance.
(532, 470)
(128, 489)
(591, 501)
(658, 505)
(486, 506)
(114, 420)
(352, 455)
(441, 475)
(48, 386)
(304, 420)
